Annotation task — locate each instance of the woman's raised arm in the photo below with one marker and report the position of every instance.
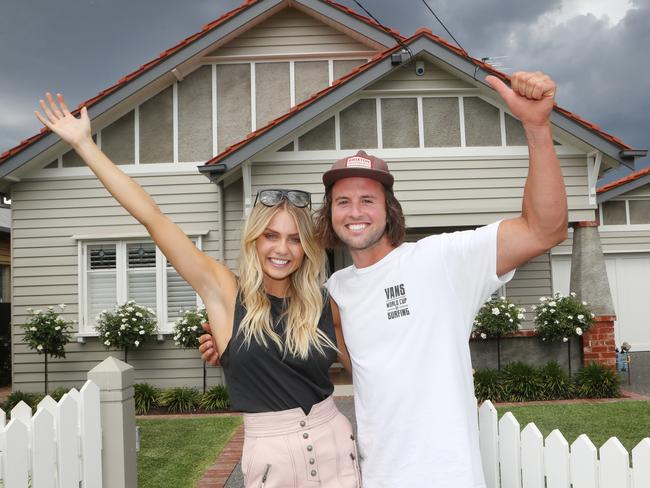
(213, 281)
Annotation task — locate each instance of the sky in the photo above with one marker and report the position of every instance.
(598, 51)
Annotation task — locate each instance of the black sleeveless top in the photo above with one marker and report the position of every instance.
(263, 379)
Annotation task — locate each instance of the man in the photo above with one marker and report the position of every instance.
(407, 309)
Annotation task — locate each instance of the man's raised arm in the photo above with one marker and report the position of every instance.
(543, 220)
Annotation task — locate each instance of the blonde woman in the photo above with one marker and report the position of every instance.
(274, 328)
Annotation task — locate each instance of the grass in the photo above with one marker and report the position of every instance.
(175, 452)
(629, 421)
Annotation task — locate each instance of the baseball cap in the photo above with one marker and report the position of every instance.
(362, 165)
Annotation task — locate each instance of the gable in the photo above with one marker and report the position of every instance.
(292, 32)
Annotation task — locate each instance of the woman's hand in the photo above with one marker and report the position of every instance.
(59, 120)
(206, 346)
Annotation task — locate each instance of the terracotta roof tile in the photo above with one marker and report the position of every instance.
(626, 179)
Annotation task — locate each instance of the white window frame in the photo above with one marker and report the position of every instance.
(86, 324)
(620, 227)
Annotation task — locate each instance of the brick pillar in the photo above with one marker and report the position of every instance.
(589, 281)
(598, 342)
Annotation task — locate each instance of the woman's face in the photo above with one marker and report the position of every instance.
(280, 252)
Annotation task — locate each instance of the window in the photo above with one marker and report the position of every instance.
(116, 271)
(628, 212)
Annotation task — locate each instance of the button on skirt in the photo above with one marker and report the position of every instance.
(290, 449)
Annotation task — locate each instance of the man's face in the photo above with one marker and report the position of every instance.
(358, 212)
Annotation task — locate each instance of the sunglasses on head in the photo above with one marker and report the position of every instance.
(272, 197)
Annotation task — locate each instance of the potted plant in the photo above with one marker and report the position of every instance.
(126, 328)
(560, 317)
(497, 316)
(187, 330)
(47, 333)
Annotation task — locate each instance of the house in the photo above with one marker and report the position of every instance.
(269, 95)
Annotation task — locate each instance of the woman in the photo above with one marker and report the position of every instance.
(274, 328)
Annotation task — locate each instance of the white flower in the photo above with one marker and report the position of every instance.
(50, 307)
(483, 335)
(542, 299)
(511, 320)
(564, 339)
(573, 293)
(138, 314)
(107, 343)
(150, 310)
(552, 310)
(495, 311)
(511, 305)
(33, 329)
(503, 298)
(194, 328)
(534, 307)
(552, 303)
(570, 317)
(546, 322)
(62, 306)
(581, 317)
(141, 332)
(557, 321)
(29, 309)
(58, 327)
(103, 311)
(123, 327)
(578, 331)
(592, 315)
(125, 320)
(137, 343)
(543, 338)
(38, 312)
(134, 319)
(584, 303)
(39, 347)
(520, 316)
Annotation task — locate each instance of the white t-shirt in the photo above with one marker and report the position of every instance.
(407, 321)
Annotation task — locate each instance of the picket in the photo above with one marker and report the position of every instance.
(488, 442)
(614, 465)
(556, 460)
(44, 450)
(67, 427)
(532, 457)
(22, 412)
(641, 464)
(16, 474)
(510, 451)
(91, 436)
(584, 463)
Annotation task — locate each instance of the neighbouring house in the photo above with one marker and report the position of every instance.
(270, 95)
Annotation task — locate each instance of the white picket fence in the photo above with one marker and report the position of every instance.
(58, 447)
(515, 458)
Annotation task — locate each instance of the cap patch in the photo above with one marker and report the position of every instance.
(358, 162)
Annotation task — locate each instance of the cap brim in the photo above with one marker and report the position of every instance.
(332, 176)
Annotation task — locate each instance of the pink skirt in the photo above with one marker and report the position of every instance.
(289, 449)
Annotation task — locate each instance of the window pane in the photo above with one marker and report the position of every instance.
(180, 295)
(515, 135)
(320, 137)
(639, 211)
(311, 77)
(482, 124)
(195, 116)
(118, 139)
(399, 122)
(101, 280)
(141, 274)
(156, 129)
(614, 213)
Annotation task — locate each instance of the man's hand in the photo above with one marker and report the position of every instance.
(530, 96)
(206, 347)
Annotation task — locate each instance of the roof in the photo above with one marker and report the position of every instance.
(623, 185)
(205, 30)
(613, 149)
(448, 52)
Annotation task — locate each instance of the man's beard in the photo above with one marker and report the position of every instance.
(368, 241)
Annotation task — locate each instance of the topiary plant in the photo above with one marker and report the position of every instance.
(597, 381)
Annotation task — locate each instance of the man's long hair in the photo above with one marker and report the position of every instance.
(395, 223)
(306, 300)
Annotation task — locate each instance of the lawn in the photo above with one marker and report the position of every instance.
(175, 452)
(629, 421)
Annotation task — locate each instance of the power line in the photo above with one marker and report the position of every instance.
(444, 26)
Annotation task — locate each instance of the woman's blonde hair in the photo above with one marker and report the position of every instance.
(306, 299)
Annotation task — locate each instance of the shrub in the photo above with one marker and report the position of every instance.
(216, 398)
(521, 382)
(487, 385)
(187, 329)
(497, 316)
(47, 334)
(126, 328)
(560, 317)
(146, 397)
(597, 381)
(555, 382)
(31, 399)
(58, 393)
(180, 400)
